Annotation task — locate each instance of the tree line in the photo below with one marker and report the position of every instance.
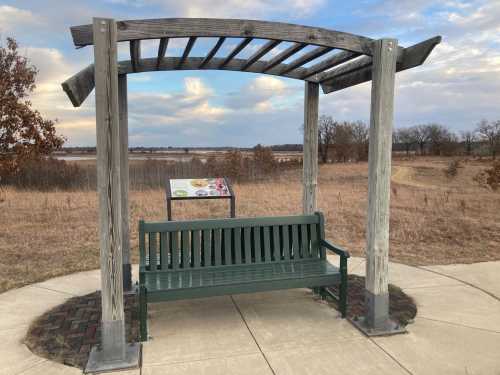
(343, 141)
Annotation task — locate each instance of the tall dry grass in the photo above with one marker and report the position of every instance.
(434, 220)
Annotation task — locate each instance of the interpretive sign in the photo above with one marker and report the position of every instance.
(199, 188)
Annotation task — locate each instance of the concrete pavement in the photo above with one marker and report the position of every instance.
(456, 331)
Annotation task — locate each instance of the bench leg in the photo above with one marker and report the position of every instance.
(143, 313)
(343, 287)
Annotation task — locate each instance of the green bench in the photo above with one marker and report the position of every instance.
(202, 258)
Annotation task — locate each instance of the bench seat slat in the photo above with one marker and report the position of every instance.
(257, 244)
(209, 277)
(227, 246)
(185, 248)
(164, 250)
(304, 241)
(247, 232)
(295, 242)
(217, 246)
(286, 242)
(196, 247)
(153, 265)
(276, 248)
(237, 245)
(170, 226)
(174, 241)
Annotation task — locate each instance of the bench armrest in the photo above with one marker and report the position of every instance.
(335, 249)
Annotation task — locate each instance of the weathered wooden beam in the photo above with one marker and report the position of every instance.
(212, 52)
(413, 56)
(124, 180)
(379, 180)
(235, 51)
(79, 86)
(135, 53)
(304, 59)
(261, 52)
(109, 187)
(193, 63)
(359, 63)
(235, 28)
(310, 150)
(282, 56)
(162, 50)
(187, 50)
(330, 62)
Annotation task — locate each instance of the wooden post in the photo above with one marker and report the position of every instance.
(124, 181)
(114, 353)
(310, 151)
(379, 178)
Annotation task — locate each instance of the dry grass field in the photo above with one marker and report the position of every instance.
(434, 220)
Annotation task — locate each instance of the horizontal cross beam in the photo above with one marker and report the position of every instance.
(232, 28)
(361, 71)
(79, 86)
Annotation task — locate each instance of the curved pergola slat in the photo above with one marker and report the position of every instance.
(79, 86)
(229, 28)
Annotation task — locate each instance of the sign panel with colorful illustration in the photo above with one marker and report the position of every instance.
(199, 188)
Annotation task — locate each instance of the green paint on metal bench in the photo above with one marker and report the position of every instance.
(202, 258)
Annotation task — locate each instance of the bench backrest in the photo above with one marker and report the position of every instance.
(178, 245)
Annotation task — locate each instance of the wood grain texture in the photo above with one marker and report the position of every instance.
(282, 56)
(212, 52)
(379, 174)
(80, 85)
(413, 56)
(330, 62)
(236, 28)
(310, 158)
(266, 48)
(124, 172)
(235, 51)
(305, 58)
(135, 54)
(187, 51)
(162, 50)
(108, 184)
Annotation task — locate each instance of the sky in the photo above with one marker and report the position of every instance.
(458, 85)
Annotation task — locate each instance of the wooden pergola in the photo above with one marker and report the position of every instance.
(338, 60)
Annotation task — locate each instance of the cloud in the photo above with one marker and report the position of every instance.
(263, 94)
(12, 19)
(153, 114)
(232, 8)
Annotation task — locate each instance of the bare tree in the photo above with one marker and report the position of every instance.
(325, 136)
(406, 137)
(442, 141)
(490, 132)
(468, 138)
(421, 135)
(360, 133)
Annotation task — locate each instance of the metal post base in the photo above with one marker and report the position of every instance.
(99, 361)
(387, 328)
